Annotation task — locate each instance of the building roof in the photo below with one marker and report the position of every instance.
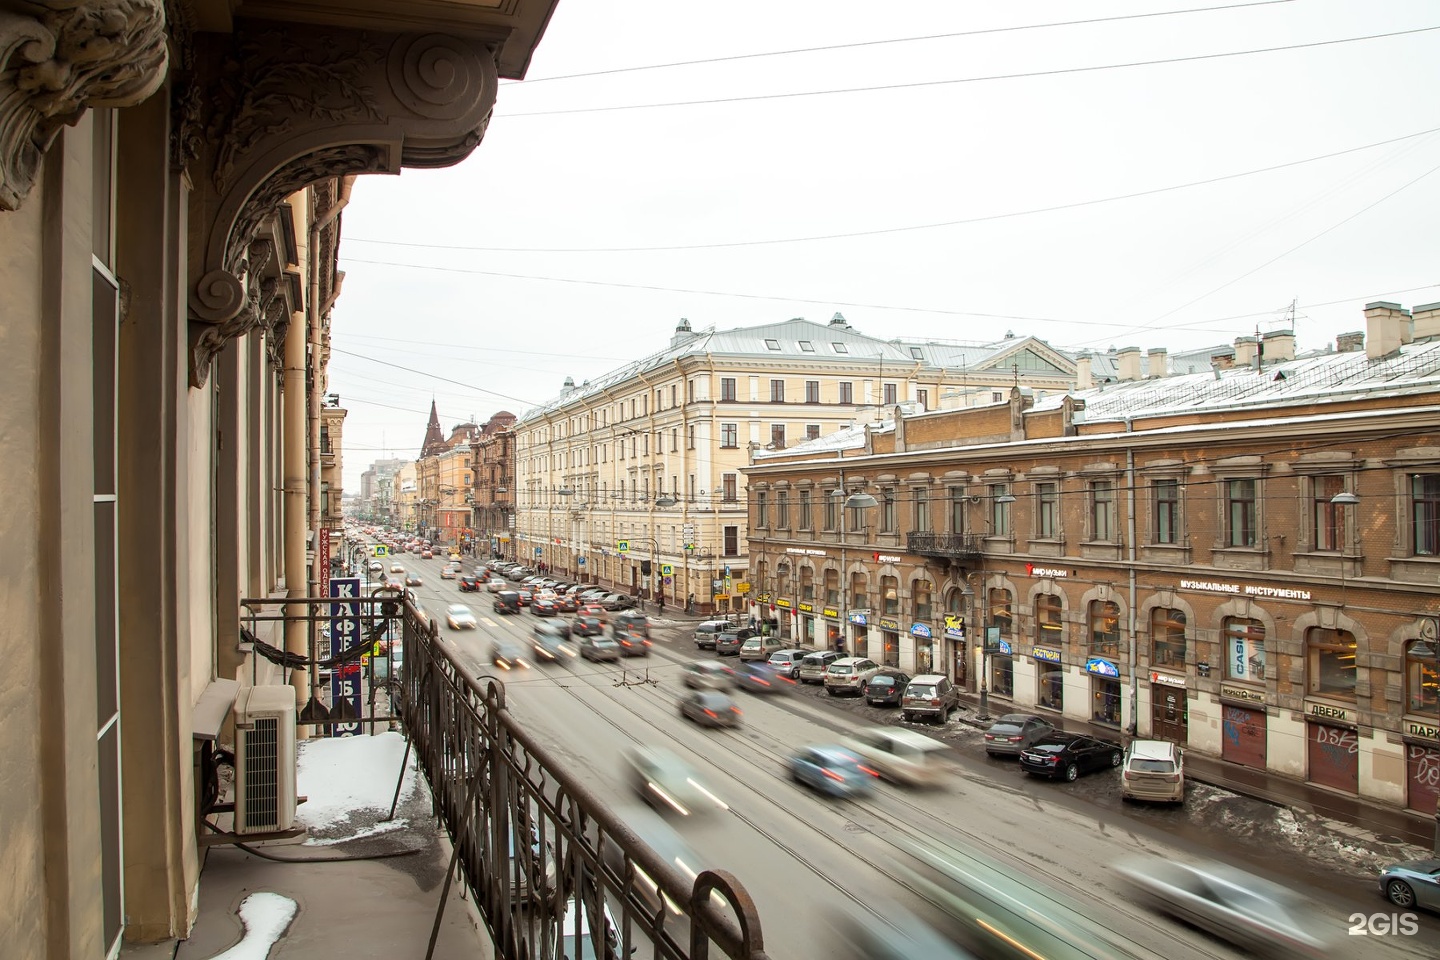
(434, 440)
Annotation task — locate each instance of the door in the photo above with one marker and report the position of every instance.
(1422, 776)
(1169, 718)
(1243, 735)
(1334, 754)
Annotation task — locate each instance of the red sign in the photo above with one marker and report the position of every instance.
(322, 561)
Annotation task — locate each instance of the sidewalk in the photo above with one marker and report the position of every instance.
(1386, 823)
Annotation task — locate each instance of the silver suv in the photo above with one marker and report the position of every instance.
(813, 666)
(760, 648)
(929, 695)
(849, 674)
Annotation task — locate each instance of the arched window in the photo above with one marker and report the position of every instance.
(1049, 627)
(921, 591)
(807, 584)
(1330, 663)
(1422, 677)
(1104, 628)
(1002, 611)
(889, 595)
(859, 590)
(1244, 649)
(832, 587)
(1167, 638)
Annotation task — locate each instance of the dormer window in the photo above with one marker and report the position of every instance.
(807, 346)
(915, 352)
(772, 344)
(840, 348)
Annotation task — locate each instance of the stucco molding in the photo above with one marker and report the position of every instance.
(60, 57)
(269, 111)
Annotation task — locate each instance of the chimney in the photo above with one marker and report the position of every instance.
(1280, 345)
(1352, 342)
(839, 321)
(569, 385)
(1158, 362)
(1386, 328)
(1246, 351)
(1223, 361)
(1426, 320)
(1084, 379)
(1128, 360)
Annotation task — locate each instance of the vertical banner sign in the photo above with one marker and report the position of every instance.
(345, 635)
(322, 557)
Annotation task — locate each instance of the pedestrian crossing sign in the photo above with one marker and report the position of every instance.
(622, 546)
(380, 550)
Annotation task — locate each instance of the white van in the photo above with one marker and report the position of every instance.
(706, 633)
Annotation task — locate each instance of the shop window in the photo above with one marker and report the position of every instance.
(1330, 663)
(782, 510)
(1051, 686)
(1241, 513)
(1002, 612)
(1422, 677)
(1328, 517)
(807, 583)
(832, 587)
(1102, 510)
(922, 591)
(762, 510)
(1167, 638)
(1106, 694)
(1047, 510)
(1104, 628)
(1425, 513)
(1166, 495)
(802, 508)
(922, 510)
(1002, 676)
(890, 595)
(1049, 626)
(1244, 649)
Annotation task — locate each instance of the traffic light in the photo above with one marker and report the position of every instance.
(645, 568)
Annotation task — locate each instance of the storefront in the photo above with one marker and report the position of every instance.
(924, 639)
(1104, 690)
(1332, 747)
(785, 614)
(805, 612)
(954, 632)
(1049, 679)
(889, 642)
(1169, 710)
(1422, 766)
(834, 638)
(1243, 729)
(1002, 670)
(859, 634)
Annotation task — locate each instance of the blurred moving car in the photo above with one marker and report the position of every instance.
(930, 696)
(849, 674)
(1153, 770)
(761, 678)
(710, 708)
(413, 580)
(669, 784)
(566, 603)
(598, 648)
(450, 571)
(1262, 918)
(469, 584)
(632, 622)
(508, 654)
(902, 756)
(397, 568)
(787, 662)
(526, 596)
(587, 626)
(886, 688)
(632, 643)
(1015, 732)
(1414, 883)
(543, 607)
(592, 610)
(708, 675)
(856, 934)
(1068, 755)
(424, 554)
(813, 666)
(507, 601)
(617, 601)
(832, 770)
(551, 641)
(495, 585)
(460, 617)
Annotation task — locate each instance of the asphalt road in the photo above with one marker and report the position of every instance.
(801, 855)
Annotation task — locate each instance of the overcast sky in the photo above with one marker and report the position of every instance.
(931, 169)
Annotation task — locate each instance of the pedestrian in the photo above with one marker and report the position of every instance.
(660, 604)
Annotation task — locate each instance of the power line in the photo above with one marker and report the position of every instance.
(894, 40)
(901, 229)
(922, 84)
(436, 376)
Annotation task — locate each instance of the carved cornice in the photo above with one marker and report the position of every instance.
(270, 110)
(59, 57)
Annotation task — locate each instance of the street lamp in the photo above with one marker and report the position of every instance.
(857, 501)
(984, 600)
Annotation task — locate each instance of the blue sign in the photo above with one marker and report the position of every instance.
(537, 550)
(920, 630)
(1046, 654)
(860, 619)
(580, 560)
(1102, 668)
(1005, 647)
(345, 636)
(345, 685)
(956, 632)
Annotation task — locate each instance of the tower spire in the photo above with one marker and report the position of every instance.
(434, 439)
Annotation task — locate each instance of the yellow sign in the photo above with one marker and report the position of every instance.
(722, 596)
(667, 569)
(622, 546)
(742, 588)
(376, 651)
(379, 550)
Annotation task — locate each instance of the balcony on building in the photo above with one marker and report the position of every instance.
(946, 546)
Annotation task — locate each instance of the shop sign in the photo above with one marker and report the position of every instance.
(1427, 730)
(1168, 679)
(1329, 712)
(1242, 694)
(763, 598)
(1046, 654)
(1244, 589)
(807, 551)
(957, 633)
(1054, 573)
(889, 558)
(806, 606)
(890, 623)
(1102, 668)
(860, 619)
(783, 602)
(921, 630)
(830, 612)
(1005, 648)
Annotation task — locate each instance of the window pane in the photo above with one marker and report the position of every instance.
(1244, 649)
(1331, 667)
(1167, 638)
(1422, 677)
(1104, 628)
(1425, 492)
(1327, 516)
(1167, 510)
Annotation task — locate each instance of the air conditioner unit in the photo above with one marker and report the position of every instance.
(265, 759)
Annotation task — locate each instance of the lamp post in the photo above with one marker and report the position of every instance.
(859, 500)
(984, 593)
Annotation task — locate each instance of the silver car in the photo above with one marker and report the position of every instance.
(1015, 732)
(1415, 883)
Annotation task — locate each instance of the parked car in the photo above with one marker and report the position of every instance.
(832, 770)
(599, 648)
(630, 623)
(543, 607)
(1415, 883)
(552, 642)
(814, 665)
(1015, 732)
(1153, 770)
(787, 662)
(904, 756)
(617, 601)
(587, 626)
(469, 584)
(728, 642)
(760, 678)
(1068, 755)
(1262, 918)
(710, 708)
(849, 675)
(708, 675)
(507, 601)
(885, 688)
(760, 648)
(930, 695)
(668, 783)
(579, 941)
(460, 617)
(705, 633)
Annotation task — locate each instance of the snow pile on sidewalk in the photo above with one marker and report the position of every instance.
(349, 782)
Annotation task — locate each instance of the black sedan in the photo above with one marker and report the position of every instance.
(469, 584)
(1069, 755)
(588, 626)
(886, 688)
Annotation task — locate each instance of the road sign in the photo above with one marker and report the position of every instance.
(689, 548)
(380, 550)
(666, 569)
(622, 546)
(742, 587)
(722, 596)
(667, 580)
(580, 561)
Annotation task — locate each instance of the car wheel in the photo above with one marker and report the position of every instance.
(1116, 759)
(990, 754)
(1071, 772)
(830, 691)
(1399, 893)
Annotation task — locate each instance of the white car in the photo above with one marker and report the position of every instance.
(495, 585)
(397, 568)
(460, 617)
(902, 756)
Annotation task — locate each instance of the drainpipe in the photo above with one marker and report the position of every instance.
(1131, 555)
(293, 482)
(315, 310)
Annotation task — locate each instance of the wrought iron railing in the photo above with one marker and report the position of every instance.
(960, 546)
(543, 857)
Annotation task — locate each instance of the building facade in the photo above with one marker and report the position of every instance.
(1245, 561)
(634, 480)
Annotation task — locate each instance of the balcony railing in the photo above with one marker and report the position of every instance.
(950, 546)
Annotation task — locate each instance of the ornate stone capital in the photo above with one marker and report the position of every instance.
(274, 109)
(58, 57)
